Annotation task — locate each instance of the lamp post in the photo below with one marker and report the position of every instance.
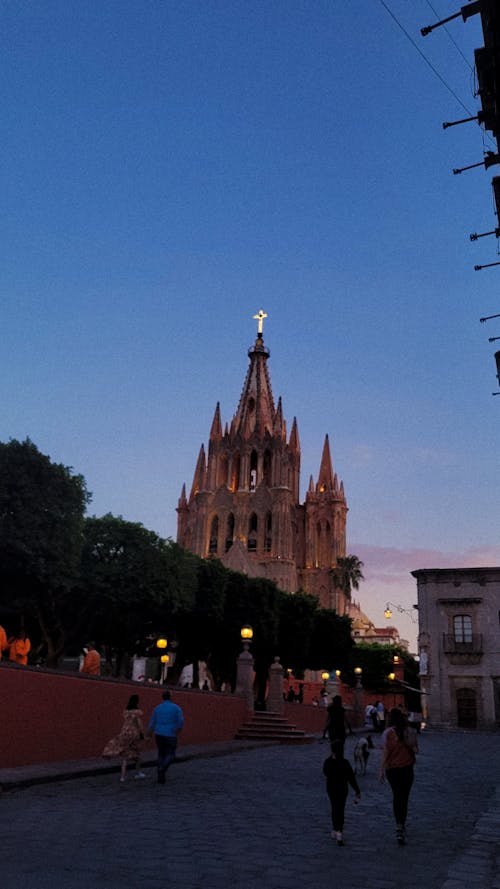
(325, 676)
(161, 644)
(244, 668)
(358, 697)
(392, 677)
(164, 659)
(336, 682)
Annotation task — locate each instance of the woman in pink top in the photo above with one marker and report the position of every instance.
(399, 746)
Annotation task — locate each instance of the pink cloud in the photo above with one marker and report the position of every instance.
(379, 560)
(387, 572)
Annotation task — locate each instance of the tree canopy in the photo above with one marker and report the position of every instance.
(348, 574)
(74, 578)
(41, 516)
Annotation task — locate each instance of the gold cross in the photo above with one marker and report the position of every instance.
(260, 318)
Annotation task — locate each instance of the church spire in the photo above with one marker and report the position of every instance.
(256, 413)
(294, 443)
(182, 504)
(325, 478)
(199, 474)
(216, 430)
(278, 425)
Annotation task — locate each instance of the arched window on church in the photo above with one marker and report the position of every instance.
(235, 473)
(266, 467)
(253, 471)
(317, 553)
(268, 542)
(252, 533)
(214, 534)
(222, 471)
(229, 531)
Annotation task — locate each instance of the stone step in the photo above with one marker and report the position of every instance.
(277, 737)
(270, 730)
(271, 727)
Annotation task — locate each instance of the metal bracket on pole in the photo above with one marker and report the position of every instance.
(465, 12)
(490, 159)
(495, 231)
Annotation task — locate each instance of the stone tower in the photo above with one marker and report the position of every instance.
(244, 505)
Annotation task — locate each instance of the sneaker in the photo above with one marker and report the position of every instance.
(400, 836)
(161, 776)
(139, 775)
(122, 780)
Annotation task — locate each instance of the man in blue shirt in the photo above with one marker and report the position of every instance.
(166, 722)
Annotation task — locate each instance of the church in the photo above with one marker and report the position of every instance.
(244, 504)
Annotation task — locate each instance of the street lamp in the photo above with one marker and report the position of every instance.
(164, 660)
(244, 668)
(407, 611)
(246, 636)
(391, 677)
(161, 643)
(358, 671)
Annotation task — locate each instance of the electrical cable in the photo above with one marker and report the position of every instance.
(455, 44)
(426, 60)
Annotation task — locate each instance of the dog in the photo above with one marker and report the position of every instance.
(361, 754)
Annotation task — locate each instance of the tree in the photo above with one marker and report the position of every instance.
(296, 622)
(331, 641)
(348, 574)
(133, 584)
(41, 515)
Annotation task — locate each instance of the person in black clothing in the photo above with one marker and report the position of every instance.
(336, 723)
(339, 774)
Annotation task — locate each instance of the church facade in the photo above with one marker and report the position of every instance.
(244, 504)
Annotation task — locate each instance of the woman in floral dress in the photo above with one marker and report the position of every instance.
(126, 745)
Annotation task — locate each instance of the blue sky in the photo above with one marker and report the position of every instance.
(170, 167)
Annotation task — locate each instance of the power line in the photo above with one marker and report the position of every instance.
(426, 60)
(455, 44)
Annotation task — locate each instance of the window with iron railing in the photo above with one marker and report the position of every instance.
(452, 645)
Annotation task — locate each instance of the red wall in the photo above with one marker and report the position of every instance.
(51, 717)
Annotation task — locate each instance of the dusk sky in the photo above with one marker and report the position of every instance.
(168, 168)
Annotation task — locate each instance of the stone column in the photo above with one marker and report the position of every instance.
(244, 676)
(275, 702)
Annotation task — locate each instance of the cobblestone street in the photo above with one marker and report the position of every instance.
(260, 818)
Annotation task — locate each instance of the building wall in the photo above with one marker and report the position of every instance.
(52, 717)
(459, 645)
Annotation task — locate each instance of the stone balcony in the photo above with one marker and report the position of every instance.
(463, 652)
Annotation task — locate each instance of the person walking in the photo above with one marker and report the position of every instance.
(19, 648)
(336, 722)
(381, 716)
(339, 775)
(91, 665)
(166, 722)
(126, 745)
(399, 749)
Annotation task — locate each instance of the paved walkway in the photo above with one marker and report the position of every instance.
(258, 818)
